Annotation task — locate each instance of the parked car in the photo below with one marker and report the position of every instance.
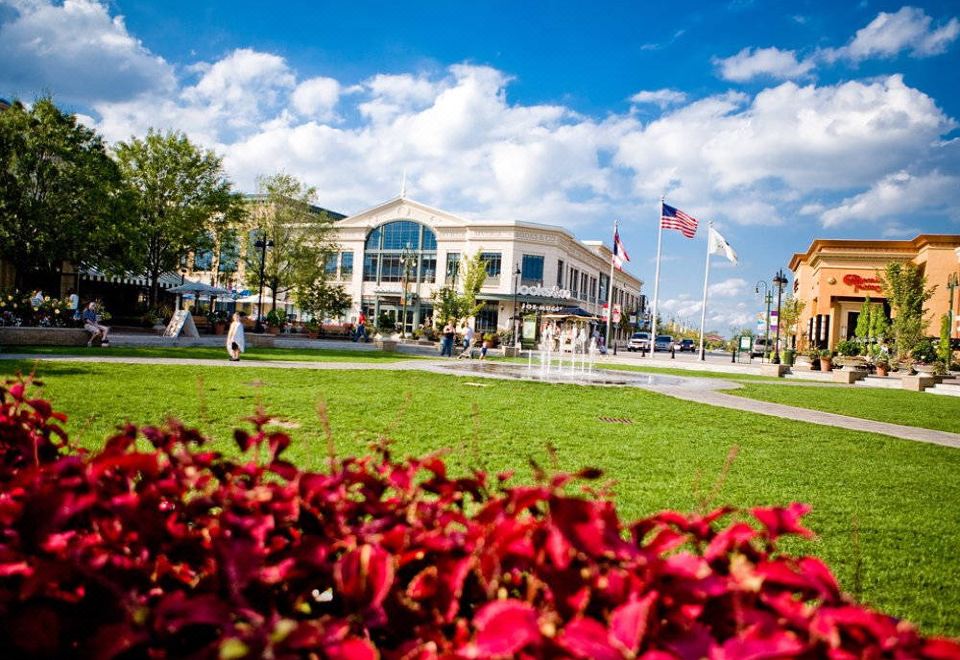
(760, 347)
(663, 343)
(639, 341)
(686, 345)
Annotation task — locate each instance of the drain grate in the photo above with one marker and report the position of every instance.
(616, 420)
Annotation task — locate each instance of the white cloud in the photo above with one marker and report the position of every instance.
(316, 97)
(659, 97)
(729, 288)
(907, 29)
(899, 196)
(76, 51)
(752, 63)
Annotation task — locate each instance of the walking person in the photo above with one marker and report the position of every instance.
(467, 341)
(73, 306)
(361, 333)
(446, 345)
(235, 338)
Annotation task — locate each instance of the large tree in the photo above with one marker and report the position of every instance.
(180, 191)
(298, 236)
(453, 303)
(62, 197)
(906, 289)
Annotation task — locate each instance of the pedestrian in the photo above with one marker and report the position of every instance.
(361, 333)
(446, 345)
(91, 323)
(73, 305)
(235, 338)
(467, 341)
(487, 341)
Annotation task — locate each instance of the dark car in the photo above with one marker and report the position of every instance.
(686, 345)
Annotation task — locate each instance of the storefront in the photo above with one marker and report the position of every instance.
(835, 277)
(405, 251)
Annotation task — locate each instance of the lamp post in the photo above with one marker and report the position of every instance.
(953, 281)
(779, 281)
(768, 298)
(262, 243)
(516, 309)
(408, 260)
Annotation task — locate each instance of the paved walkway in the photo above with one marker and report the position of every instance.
(698, 390)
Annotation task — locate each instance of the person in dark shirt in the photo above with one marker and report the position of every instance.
(92, 325)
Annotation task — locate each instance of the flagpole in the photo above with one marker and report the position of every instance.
(610, 288)
(656, 285)
(706, 277)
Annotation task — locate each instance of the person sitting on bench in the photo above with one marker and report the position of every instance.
(92, 325)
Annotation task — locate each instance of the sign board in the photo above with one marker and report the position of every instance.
(761, 323)
(181, 322)
(746, 343)
(774, 321)
(617, 312)
(544, 292)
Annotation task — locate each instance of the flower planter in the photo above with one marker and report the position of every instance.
(850, 362)
(803, 363)
(273, 330)
(826, 364)
(219, 328)
(882, 370)
(924, 368)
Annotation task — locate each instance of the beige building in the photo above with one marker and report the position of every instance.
(834, 277)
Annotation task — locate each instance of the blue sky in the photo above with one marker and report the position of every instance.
(780, 121)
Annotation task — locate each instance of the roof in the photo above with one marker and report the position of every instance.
(313, 207)
(914, 245)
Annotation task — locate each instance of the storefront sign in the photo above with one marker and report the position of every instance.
(537, 307)
(544, 292)
(862, 283)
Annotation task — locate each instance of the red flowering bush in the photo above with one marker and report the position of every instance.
(178, 551)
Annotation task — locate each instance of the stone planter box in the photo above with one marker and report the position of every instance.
(925, 369)
(775, 370)
(511, 351)
(854, 362)
(13, 336)
(802, 364)
(388, 345)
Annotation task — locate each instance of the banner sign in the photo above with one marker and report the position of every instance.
(774, 320)
(544, 292)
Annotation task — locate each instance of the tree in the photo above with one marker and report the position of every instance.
(298, 235)
(62, 197)
(322, 300)
(179, 191)
(906, 289)
(791, 309)
(450, 304)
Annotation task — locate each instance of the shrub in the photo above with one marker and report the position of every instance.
(924, 352)
(276, 318)
(848, 348)
(179, 551)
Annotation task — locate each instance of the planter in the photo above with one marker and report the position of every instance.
(788, 357)
(273, 330)
(926, 369)
(851, 362)
(882, 370)
(826, 364)
(219, 328)
(803, 363)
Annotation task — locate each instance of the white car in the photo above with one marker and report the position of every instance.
(664, 342)
(639, 341)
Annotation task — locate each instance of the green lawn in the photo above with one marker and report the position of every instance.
(219, 353)
(901, 496)
(895, 406)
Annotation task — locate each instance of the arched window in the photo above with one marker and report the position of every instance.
(385, 247)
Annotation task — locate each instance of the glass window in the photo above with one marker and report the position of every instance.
(370, 262)
(229, 256)
(373, 239)
(584, 279)
(330, 265)
(391, 270)
(574, 282)
(604, 283)
(397, 235)
(593, 288)
(493, 263)
(560, 273)
(532, 270)
(453, 266)
(346, 265)
(428, 269)
(487, 319)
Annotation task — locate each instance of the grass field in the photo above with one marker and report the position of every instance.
(883, 508)
(219, 353)
(895, 406)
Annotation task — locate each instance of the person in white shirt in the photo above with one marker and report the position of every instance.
(235, 339)
(467, 340)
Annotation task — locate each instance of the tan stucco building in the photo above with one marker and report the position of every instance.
(834, 277)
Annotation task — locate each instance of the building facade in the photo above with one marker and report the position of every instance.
(834, 277)
(403, 249)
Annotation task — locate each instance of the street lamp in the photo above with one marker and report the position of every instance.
(779, 281)
(408, 260)
(516, 310)
(953, 281)
(262, 244)
(768, 298)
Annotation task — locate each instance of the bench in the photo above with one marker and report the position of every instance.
(19, 336)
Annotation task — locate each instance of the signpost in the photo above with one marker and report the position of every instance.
(181, 322)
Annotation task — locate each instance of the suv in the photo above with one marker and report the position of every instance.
(759, 348)
(639, 341)
(663, 343)
(686, 345)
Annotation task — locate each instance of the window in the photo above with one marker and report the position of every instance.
(487, 319)
(229, 256)
(453, 267)
(493, 263)
(584, 279)
(604, 283)
(202, 260)
(386, 245)
(531, 273)
(574, 282)
(330, 265)
(593, 289)
(346, 265)
(560, 273)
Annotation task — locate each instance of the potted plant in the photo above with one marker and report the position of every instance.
(848, 352)
(924, 356)
(313, 328)
(882, 363)
(218, 321)
(490, 340)
(826, 360)
(275, 321)
(788, 356)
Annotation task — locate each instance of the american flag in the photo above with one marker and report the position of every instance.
(676, 219)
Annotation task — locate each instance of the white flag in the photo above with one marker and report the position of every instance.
(719, 245)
